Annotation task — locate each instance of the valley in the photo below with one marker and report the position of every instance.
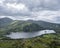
(29, 28)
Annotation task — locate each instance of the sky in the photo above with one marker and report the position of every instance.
(46, 10)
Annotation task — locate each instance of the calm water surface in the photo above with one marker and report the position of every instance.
(18, 35)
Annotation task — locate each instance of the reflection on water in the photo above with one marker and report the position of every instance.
(18, 35)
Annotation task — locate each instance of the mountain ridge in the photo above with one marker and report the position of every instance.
(11, 24)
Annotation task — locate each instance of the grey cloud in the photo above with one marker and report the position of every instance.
(33, 5)
(44, 4)
(4, 11)
(57, 19)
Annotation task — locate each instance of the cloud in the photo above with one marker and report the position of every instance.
(25, 7)
(47, 15)
(15, 6)
(13, 9)
(42, 4)
(47, 10)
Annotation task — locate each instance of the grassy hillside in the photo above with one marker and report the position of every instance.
(21, 26)
(18, 26)
(9, 25)
(44, 41)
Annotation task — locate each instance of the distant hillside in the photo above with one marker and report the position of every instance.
(4, 22)
(47, 25)
(10, 25)
(18, 26)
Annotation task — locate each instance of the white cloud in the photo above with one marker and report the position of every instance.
(8, 17)
(16, 6)
(1, 1)
(17, 17)
(46, 15)
(12, 9)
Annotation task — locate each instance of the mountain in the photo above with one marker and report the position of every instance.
(5, 21)
(10, 25)
(19, 26)
(47, 25)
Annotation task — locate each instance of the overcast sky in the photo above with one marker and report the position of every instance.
(47, 10)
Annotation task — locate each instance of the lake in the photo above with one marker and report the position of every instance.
(18, 35)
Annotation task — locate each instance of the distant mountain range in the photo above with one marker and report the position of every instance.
(9, 25)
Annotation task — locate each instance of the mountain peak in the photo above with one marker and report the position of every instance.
(5, 18)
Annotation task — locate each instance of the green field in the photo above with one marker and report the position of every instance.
(44, 41)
